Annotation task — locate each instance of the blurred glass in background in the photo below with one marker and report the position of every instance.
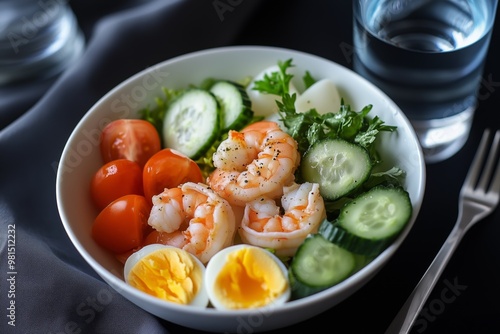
(39, 39)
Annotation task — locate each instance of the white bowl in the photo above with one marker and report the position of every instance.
(81, 158)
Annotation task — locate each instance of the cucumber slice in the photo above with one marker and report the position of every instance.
(235, 104)
(192, 123)
(370, 222)
(337, 165)
(317, 265)
(334, 233)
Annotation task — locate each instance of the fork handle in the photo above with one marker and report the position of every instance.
(409, 311)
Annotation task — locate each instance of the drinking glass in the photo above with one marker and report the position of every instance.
(38, 39)
(428, 56)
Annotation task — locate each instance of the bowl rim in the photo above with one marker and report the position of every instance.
(365, 273)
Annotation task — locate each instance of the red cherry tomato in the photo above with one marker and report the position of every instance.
(168, 169)
(132, 139)
(115, 179)
(164, 238)
(123, 224)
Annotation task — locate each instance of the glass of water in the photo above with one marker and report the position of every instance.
(428, 56)
(38, 39)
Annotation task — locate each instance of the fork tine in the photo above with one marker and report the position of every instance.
(495, 184)
(477, 162)
(490, 164)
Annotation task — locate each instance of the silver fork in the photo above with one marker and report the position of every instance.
(479, 196)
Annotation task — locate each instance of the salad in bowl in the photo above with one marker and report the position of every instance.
(240, 181)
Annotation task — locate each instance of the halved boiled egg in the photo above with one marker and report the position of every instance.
(265, 104)
(322, 96)
(169, 273)
(244, 277)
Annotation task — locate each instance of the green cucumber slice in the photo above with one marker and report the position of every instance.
(235, 104)
(370, 222)
(337, 165)
(192, 123)
(317, 265)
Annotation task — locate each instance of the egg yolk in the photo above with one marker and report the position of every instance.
(250, 278)
(169, 274)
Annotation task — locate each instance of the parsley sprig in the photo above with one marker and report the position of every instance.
(309, 127)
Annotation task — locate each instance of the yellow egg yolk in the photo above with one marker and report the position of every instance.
(169, 274)
(250, 278)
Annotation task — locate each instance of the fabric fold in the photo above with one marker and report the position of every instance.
(121, 45)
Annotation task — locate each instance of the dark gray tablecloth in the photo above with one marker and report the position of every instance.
(57, 292)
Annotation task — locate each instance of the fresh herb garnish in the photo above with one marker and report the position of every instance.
(276, 83)
(309, 127)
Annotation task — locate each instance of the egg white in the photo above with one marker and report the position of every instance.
(323, 96)
(218, 261)
(201, 298)
(265, 104)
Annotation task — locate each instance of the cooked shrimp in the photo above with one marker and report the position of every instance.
(263, 224)
(193, 217)
(257, 161)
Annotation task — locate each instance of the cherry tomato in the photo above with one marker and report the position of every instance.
(167, 169)
(123, 224)
(115, 179)
(164, 238)
(132, 139)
